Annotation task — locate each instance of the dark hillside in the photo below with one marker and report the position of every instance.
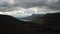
(52, 21)
(11, 25)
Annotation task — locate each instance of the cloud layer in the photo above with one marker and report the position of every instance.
(11, 5)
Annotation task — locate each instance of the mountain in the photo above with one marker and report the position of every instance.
(34, 17)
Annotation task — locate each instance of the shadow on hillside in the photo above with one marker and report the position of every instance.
(11, 25)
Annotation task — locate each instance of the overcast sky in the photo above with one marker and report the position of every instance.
(10, 5)
(28, 5)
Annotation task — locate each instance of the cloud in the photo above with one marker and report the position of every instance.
(11, 5)
(54, 4)
(28, 3)
(29, 12)
(34, 3)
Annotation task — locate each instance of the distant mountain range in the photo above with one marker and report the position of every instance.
(34, 17)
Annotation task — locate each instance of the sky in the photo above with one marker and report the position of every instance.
(28, 7)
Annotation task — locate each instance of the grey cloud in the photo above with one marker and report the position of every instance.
(54, 4)
(27, 4)
(33, 3)
(19, 3)
(5, 6)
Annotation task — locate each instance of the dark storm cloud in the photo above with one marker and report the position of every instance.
(33, 3)
(54, 4)
(29, 3)
(6, 6)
